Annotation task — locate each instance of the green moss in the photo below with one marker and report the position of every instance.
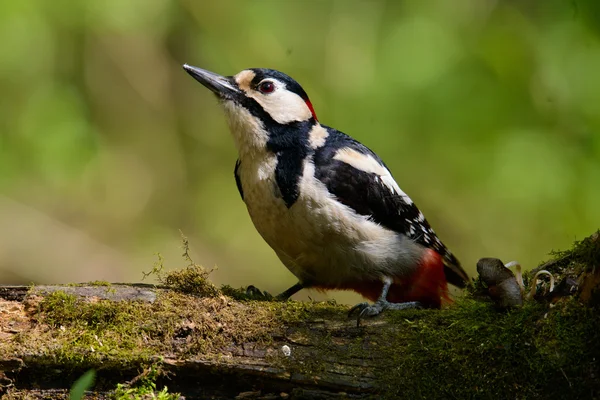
(583, 256)
(468, 350)
(472, 351)
(90, 283)
(80, 333)
(144, 387)
(124, 392)
(87, 333)
(242, 294)
(192, 279)
(98, 283)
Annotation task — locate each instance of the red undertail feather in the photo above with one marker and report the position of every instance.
(426, 285)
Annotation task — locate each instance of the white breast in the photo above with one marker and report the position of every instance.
(319, 239)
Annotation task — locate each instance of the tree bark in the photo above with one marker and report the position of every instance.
(249, 370)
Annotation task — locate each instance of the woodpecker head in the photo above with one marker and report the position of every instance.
(258, 103)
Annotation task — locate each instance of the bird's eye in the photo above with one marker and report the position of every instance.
(266, 87)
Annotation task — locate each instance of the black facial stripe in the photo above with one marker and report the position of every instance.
(289, 142)
(238, 181)
(287, 176)
(272, 126)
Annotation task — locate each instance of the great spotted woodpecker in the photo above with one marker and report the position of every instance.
(325, 203)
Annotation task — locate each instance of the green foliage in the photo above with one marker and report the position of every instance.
(123, 392)
(85, 382)
(487, 113)
(144, 388)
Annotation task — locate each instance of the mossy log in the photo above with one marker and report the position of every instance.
(214, 343)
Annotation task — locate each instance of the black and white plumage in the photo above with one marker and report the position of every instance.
(325, 203)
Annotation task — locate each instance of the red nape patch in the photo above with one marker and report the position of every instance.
(312, 110)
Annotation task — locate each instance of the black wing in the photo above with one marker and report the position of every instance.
(238, 182)
(370, 193)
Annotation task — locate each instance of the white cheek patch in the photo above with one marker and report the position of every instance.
(367, 163)
(282, 105)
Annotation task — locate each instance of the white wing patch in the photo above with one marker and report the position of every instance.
(367, 163)
(317, 136)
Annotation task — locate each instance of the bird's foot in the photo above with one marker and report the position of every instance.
(371, 310)
(254, 293)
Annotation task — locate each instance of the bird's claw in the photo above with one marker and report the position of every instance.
(360, 307)
(367, 310)
(371, 310)
(254, 293)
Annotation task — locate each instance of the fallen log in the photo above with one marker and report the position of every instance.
(216, 343)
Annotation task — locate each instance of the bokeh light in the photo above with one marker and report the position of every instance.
(486, 111)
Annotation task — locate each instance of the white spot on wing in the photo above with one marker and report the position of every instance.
(367, 163)
(411, 230)
(317, 136)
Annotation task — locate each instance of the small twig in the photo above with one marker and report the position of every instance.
(566, 377)
(185, 245)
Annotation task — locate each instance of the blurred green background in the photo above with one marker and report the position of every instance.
(486, 111)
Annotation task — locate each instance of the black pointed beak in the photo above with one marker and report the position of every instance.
(222, 86)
